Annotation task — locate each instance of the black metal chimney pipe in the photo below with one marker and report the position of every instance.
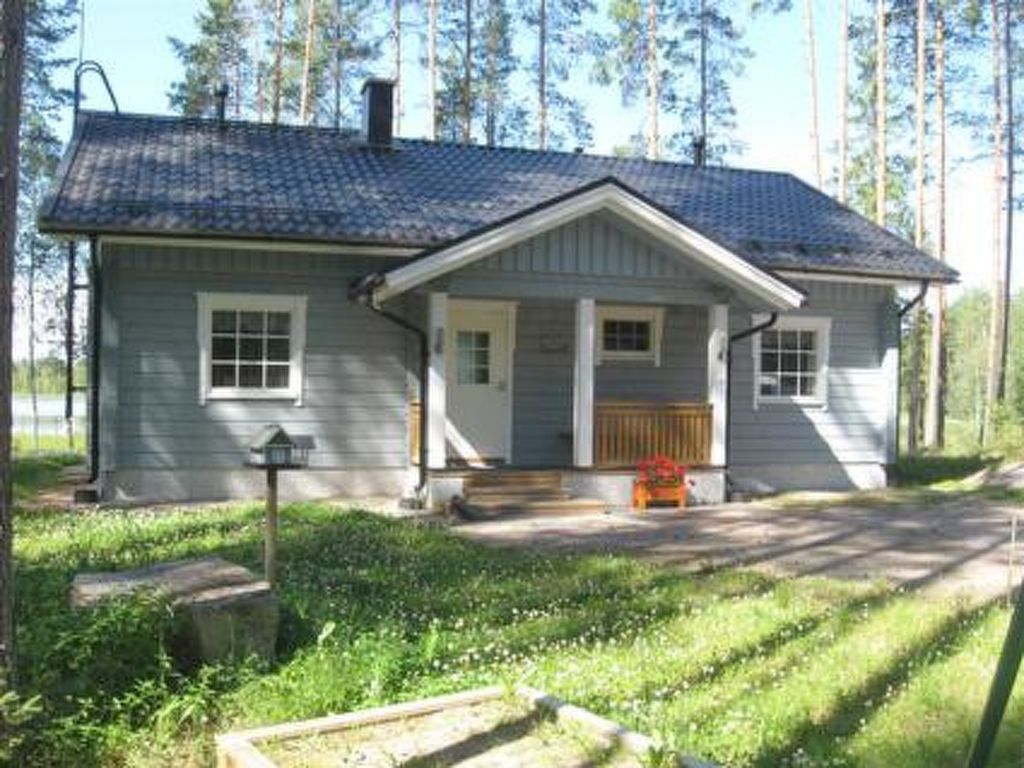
(221, 96)
(378, 111)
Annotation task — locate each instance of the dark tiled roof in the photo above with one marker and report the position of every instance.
(171, 176)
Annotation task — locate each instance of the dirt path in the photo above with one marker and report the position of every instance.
(950, 544)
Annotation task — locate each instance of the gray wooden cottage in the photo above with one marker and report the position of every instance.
(428, 310)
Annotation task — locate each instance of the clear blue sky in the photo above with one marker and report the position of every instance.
(129, 37)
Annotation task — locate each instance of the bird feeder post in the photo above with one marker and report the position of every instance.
(270, 532)
(273, 450)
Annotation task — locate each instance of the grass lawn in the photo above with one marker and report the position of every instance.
(732, 666)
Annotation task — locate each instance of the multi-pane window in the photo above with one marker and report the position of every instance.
(629, 333)
(789, 363)
(251, 345)
(250, 349)
(473, 357)
(626, 335)
(791, 360)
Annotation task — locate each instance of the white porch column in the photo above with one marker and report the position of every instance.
(718, 376)
(583, 386)
(437, 388)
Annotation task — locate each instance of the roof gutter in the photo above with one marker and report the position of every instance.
(96, 345)
(361, 291)
(733, 339)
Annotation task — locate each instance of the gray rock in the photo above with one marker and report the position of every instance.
(224, 612)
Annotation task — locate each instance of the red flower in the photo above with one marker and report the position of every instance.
(660, 470)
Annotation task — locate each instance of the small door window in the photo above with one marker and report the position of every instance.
(473, 356)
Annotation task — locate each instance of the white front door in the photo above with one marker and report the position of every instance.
(481, 338)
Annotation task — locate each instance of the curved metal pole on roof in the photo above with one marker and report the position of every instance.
(84, 68)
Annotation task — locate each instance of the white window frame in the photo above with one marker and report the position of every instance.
(208, 303)
(822, 326)
(631, 313)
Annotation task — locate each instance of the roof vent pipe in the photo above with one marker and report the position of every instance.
(378, 110)
(221, 97)
(699, 151)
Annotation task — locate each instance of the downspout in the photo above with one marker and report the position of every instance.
(361, 291)
(96, 322)
(737, 337)
(900, 314)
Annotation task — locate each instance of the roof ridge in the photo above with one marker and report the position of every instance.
(353, 133)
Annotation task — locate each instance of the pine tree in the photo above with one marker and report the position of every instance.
(38, 264)
(657, 49)
(997, 305)
(881, 115)
(562, 41)
(844, 99)
(916, 411)
(218, 57)
(432, 16)
(12, 49)
(934, 418)
(812, 78)
(291, 60)
(455, 98)
(504, 121)
(307, 62)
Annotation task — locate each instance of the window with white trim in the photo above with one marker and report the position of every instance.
(251, 346)
(629, 333)
(791, 360)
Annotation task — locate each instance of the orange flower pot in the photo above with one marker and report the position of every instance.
(644, 493)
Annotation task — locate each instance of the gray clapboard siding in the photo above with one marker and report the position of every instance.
(542, 391)
(355, 384)
(682, 375)
(599, 256)
(851, 427)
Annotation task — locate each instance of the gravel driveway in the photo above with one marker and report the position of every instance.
(947, 543)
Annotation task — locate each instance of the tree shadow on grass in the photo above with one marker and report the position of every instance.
(767, 645)
(851, 711)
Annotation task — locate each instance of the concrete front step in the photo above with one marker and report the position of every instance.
(513, 479)
(489, 510)
(516, 495)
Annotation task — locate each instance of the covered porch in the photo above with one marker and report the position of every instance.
(572, 384)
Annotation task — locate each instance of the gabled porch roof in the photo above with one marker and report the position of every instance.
(608, 194)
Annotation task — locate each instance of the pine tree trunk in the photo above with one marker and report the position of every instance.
(652, 79)
(812, 77)
(1008, 221)
(12, 49)
(703, 66)
(542, 76)
(934, 423)
(397, 32)
(844, 99)
(432, 66)
(914, 424)
(275, 95)
(994, 383)
(467, 86)
(881, 115)
(338, 74)
(307, 63)
(33, 377)
(489, 88)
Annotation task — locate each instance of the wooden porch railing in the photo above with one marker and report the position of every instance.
(627, 432)
(415, 414)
